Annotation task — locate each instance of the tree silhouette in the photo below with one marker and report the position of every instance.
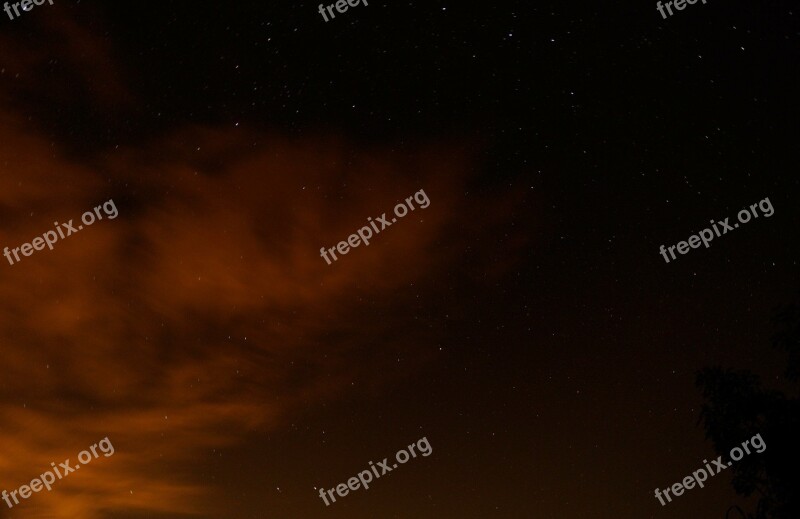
(737, 408)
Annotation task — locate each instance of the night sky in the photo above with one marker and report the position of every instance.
(525, 322)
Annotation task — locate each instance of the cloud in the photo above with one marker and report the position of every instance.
(204, 309)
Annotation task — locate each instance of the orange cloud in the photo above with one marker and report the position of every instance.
(204, 309)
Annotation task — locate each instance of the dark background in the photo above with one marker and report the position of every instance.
(526, 323)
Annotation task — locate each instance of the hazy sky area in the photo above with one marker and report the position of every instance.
(525, 322)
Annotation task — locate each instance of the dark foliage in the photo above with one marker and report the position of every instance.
(737, 407)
